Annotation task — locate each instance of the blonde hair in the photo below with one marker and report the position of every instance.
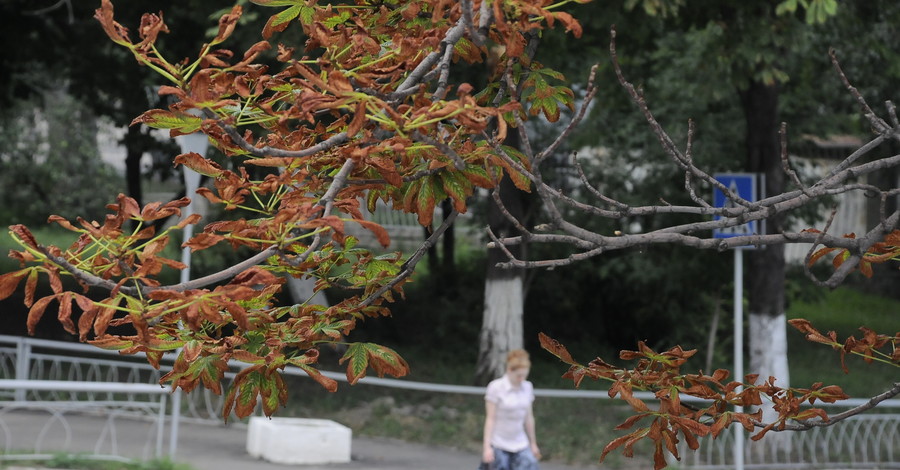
(517, 359)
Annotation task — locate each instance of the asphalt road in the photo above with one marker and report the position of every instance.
(215, 447)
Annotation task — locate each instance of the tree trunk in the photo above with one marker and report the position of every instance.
(766, 267)
(502, 327)
(448, 243)
(134, 149)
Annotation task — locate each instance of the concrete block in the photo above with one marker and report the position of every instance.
(298, 441)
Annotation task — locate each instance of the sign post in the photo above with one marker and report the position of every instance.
(744, 185)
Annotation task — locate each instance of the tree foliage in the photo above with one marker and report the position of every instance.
(365, 111)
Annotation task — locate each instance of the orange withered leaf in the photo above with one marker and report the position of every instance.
(24, 235)
(812, 334)
(256, 276)
(227, 23)
(63, 223)
(556, 348)
(10, 281)
(36, 312)
(313, 373)
(380, 233)
(151, 26)
(85, 322)
(31, 287)
(64, 314)
(570, 23)
(202, 241)
(273, 162)
(189, 220)
(359, 119)
(624, 391)
(115, 31)
(105, 316)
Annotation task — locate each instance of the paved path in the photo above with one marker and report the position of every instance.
(211, 447)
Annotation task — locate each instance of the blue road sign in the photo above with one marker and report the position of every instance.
(744, 185)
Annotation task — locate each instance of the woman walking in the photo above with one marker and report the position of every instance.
(509, 437)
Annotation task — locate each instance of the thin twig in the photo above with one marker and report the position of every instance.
(880, 126)
(837, 418)
(589, 95)
(409, 266)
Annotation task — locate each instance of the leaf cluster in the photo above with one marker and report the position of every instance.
(364, 111)
(677, 392)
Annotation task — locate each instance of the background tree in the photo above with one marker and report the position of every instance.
(45, 49)
(45, 161)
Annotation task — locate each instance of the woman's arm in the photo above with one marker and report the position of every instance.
(529, 430)
(490, 412)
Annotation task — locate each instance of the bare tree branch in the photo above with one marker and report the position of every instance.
(837, 418)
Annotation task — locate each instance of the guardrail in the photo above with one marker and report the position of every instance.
(24, 358)
(98, 433)
(867, 441)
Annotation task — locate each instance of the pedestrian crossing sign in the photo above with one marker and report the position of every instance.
(745, 186)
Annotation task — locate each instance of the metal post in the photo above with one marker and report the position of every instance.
(198, 143)
(176, 417)
(738, 350)
(160, 430)
(23, 358)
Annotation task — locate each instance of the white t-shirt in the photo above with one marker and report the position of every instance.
(512, 404)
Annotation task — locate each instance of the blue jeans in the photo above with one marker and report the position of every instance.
(522, 460)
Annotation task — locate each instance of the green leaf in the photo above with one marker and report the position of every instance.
(340, 18)
(210, 370)
(385, 360)
(358, 361)
(425, 202)
(382, 359)
(286, 16)
(478, 176)
(181, 123)
(457, 187)
(307, 14)
(376, 267)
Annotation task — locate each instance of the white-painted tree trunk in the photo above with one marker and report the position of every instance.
(501, 329)
(768, 358)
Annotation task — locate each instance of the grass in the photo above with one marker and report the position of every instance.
(83, 462)
(843, 311)
(47, 235)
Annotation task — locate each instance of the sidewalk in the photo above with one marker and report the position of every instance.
(221, 447)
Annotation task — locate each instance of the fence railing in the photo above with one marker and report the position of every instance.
(867, 441)
(36, 359)
(37, 430)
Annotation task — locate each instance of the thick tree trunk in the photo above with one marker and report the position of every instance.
(502, 327)
(766, 267)
(448, 243)
(134, 149)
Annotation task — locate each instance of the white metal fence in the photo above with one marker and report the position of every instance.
(41, 429)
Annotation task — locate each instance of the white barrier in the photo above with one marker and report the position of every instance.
(297, 441)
